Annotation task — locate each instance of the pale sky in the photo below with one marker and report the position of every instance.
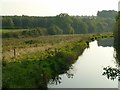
(55, 7)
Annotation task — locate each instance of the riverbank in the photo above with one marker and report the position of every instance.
(15, 48)
(35, 68)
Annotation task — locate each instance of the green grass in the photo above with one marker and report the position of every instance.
(39, 59)
(28, 45)
(11, 30)
(36, 70)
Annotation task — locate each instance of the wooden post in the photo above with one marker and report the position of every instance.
(14, 52)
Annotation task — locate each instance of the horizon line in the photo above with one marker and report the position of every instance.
(53, 15)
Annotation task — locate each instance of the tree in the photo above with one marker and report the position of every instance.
(91, 27)
(117, 39)
(54, 30)
(107, 14)
(64, 21)
(7, 23)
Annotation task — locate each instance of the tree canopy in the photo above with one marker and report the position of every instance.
(64, 23)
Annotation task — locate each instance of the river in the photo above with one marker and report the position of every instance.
(87, 71)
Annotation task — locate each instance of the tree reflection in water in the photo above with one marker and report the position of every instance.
(57, 78)
(111, 73)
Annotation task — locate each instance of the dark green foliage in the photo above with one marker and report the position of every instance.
(62, 23)
(35, 32)
(117, 39)
(7, 23)
(111, 73)
(107, 14)
(54, 30)
(36, 73)
(10, 34)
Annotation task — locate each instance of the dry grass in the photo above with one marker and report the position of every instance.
(26, 46)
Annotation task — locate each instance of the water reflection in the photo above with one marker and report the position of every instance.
(58, 79)
(88, 69)
(108, 42)
(114, 72)
(111, 73)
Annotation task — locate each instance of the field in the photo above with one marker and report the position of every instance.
(15, 48)
(11, 30)
(36, 61)
(23, 46)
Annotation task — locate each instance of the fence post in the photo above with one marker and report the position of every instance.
(14, 52)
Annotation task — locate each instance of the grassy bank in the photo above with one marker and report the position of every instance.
(15, 48)
(21, 33)
(32, 62)
(35, 71)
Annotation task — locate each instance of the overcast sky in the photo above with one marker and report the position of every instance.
(55, 7)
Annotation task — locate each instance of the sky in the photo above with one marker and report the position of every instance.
(55, 7)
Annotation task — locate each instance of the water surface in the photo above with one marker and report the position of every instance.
(87, 70)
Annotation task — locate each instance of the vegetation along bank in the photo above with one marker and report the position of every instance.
(36, 69)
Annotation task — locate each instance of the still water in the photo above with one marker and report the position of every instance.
(87, 70)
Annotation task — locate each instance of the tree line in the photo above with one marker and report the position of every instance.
(110, 72)
(117, 39)
(63, 23)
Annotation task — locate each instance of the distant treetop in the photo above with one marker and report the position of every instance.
(107, 14)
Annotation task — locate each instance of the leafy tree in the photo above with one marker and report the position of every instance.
(107, 14)
(117, 39)
(54, 30)
(62, 23)
(8, 23)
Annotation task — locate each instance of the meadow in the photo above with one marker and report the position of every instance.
(36, 61)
